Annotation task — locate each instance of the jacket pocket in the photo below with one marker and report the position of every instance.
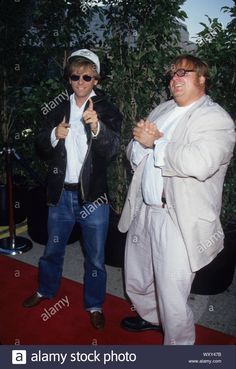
(210, 234)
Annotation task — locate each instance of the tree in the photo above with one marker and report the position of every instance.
(139, 40)
(10, 70)
(36, 38)
(217, 46)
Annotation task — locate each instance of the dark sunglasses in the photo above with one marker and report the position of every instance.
(85, 77)
(180, 72)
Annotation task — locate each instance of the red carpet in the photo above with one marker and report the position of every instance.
(63, 320)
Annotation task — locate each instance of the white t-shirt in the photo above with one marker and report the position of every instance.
(152, 180)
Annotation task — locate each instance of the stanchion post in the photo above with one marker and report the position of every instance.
(13, 244)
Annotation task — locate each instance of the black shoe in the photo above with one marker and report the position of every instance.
(97, 319)
(137, 324)
(34, 300)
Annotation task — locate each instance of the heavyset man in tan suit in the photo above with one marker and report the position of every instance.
(180, 155)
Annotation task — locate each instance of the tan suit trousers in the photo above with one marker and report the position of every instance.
(158, 276)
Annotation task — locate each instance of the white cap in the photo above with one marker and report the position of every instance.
(87, 54)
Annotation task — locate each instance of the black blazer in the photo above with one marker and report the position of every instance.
(92, 181)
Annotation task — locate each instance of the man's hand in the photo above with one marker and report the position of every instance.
(146, 133)
(90, 117)
(62, 129)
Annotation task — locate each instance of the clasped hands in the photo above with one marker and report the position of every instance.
(89, 116)
(146, 133)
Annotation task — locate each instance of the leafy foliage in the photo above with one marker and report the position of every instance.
(139, 40)
(36, 38)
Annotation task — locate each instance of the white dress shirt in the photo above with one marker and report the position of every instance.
(152, 180)
(76, 141)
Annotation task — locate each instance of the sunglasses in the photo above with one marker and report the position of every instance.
(180, 72)
(85, 77)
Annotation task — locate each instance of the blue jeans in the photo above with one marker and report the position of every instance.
(93, 219)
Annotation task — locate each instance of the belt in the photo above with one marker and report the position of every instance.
(71, 186)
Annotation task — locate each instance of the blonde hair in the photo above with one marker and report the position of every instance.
(81, 62)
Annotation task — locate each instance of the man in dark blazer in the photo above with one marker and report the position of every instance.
(80, 138)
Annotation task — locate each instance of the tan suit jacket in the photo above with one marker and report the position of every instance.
(196, 160)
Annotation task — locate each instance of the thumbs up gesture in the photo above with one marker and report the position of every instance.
(90, 107)
(62, 129)
(90, 117)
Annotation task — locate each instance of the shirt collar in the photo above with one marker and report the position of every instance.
(73, 102)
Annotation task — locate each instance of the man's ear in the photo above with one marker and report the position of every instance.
(202, 80)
